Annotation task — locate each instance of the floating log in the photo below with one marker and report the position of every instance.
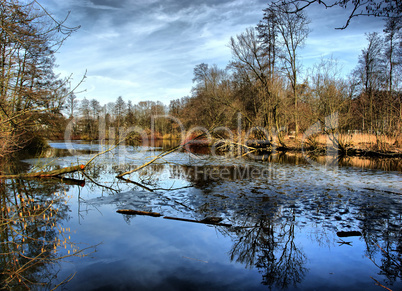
(137, 212)
(69, 181)
(208, 220)
(204, 221)
(348, 233)
(212, 220)
(54, 173)
(259, 144)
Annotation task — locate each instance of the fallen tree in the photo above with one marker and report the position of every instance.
(207, 220)
(57, 173)
(42, 174)
(138, 212)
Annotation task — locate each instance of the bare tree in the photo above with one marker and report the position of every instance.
(250, 62)
(376, 8)
(31, 95)
(119, 110)
(209, 93)
(393, 55)
(371, 70)
(293, 31)
(72, 104)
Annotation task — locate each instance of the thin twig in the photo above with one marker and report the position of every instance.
(161, 155)
(379, 284)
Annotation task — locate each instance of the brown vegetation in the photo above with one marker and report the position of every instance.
(31, 95)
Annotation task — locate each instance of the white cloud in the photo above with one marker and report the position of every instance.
(143, 49)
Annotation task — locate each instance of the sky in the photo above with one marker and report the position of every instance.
(147, 49)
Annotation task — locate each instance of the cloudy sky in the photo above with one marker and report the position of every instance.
(147, 49)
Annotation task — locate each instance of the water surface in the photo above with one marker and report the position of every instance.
(294, 224)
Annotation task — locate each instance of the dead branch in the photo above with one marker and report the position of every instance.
(49, 174)
(161, 155)
(209, 220)
(137, 212)
(136, 183)
(379, 284)
(99, 185)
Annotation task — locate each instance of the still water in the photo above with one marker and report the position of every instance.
(287, 223)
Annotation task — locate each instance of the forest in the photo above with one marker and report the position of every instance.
(264, 85)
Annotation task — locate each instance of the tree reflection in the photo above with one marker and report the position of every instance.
(271, 248)
(381, 223)
(32, 240)
(266, 208)
(265, 234)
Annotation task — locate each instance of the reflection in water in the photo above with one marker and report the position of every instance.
(266, 220)
(32, 241)
(271, 248)
(269, 211)
(261, 238)
(386, 164)
(273, 206)
(381, 224)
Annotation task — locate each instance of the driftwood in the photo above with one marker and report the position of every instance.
(68, 181)
(348, 233)
(259, 144)
(137, 212)
(385, 191)
(57, 173)
(209, 220)
(54, 173)
(161, 155)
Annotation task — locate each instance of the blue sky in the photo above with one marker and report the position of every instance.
(147, 49)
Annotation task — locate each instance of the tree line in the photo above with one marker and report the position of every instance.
(264, 83)
(90, 119)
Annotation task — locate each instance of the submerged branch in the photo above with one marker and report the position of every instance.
(137, 212)
(208, 220)
(161, 155)
(136, 183)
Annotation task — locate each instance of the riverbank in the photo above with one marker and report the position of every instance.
(360, 145)
(364, 145)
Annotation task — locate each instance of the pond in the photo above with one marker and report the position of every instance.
(285, 223)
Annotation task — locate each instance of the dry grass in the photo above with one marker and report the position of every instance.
(356, 141)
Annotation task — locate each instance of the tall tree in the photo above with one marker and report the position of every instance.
(208, 93)
(31, 95)
(268, 34)
(71, 104)
(393, 47)
(130, 118)
(251, 63)
(95, 108)
(119, 110)
(393, 55)
(371, 70)
(293, 31)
